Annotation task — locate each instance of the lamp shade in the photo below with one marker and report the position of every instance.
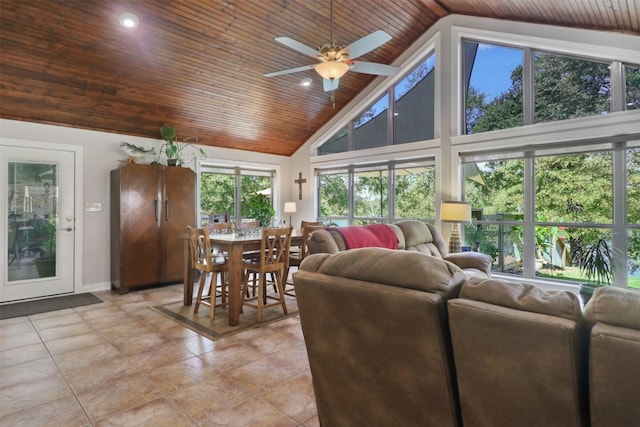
(453, 211)
(332, 69)
(289, 207)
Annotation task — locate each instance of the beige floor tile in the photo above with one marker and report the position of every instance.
(27, 371)
(124, 391)
(86, 358)
(70, 318)
(124, 364)
(30, 394)
(82, 380)
(21, 339)
(62, 412)
(211, 393)
(75, 342)
(295, 398)
(23, 354)
(157, 413)
(231, 357)
(251, 413)
(264, 373)
(63, 331)
(15, 326)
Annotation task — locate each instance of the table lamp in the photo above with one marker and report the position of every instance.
(455, 212)
(289, 207)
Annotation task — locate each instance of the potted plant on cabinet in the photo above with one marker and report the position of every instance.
(596, 264)
(174, 150)
(45, 233)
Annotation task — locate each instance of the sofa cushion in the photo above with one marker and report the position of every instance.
(523, 297)
(411, 270)
(419, 236)
(618, 307)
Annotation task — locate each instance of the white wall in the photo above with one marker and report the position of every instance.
(101, 154)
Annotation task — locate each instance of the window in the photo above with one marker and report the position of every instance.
(370, 129)
(377, 193)
(632, 83)
(338, 143)
(566, 88)
(413, 110)
(495, 190)
(492, 79)
(414, 191)
(412, 120)
(236, 194)
(334, 196)
(570, 192)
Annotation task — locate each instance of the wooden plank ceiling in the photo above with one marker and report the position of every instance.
(199, 65)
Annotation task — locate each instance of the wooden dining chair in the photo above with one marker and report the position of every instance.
(299, 253)
(203, 260)
(219, 227)
(273, 260)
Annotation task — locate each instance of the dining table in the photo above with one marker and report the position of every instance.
(235, 245)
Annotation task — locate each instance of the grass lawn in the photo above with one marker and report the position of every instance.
(574, 275)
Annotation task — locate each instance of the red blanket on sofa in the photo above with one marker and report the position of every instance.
(366, 236)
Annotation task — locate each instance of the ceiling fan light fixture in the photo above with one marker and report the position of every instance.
(332, 69)
(128, 20)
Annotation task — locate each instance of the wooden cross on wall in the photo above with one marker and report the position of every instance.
(300, 181)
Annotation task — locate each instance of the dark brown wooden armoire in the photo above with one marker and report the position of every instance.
(151, 206)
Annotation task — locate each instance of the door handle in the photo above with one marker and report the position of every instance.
(155, 208)
(166, 210)
(67, 229)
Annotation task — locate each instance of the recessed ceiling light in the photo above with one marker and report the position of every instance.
(306, 82)
(128, 20)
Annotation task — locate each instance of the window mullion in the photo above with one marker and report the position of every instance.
(528, 87)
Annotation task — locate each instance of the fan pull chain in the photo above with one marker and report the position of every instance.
(333, 99)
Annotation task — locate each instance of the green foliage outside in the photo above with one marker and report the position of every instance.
(576, 188)
(217, 195)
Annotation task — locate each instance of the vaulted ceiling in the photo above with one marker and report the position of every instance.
(198, 65)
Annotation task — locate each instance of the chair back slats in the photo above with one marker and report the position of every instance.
(200, 248)
(274, 248)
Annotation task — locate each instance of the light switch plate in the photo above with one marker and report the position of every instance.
(93, 207)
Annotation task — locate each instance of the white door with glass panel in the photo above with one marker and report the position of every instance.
(38, 207)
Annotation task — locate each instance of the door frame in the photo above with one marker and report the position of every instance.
(78, 198)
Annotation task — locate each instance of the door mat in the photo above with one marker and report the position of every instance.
(219, 327)
(27, 308)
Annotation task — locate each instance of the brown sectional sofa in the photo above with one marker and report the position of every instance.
(413, 235)
(405, 339)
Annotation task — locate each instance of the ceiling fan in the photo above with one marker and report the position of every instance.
(336, 60)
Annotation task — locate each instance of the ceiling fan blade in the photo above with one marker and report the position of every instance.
(374, 68)
(297, 46)
(289, 71)
(366, 44)
(330, 84)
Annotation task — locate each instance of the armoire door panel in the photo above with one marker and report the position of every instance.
(179, 195)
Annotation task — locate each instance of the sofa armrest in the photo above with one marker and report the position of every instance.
(321, 242)
(477, 260)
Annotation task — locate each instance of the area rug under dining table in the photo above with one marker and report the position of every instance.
(219, 327)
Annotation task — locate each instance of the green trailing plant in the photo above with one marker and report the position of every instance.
(174, 150)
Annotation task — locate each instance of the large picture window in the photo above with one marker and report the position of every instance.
(236, 194)
(381, 193)
(412, 102)
(492, 78)
(571, 198)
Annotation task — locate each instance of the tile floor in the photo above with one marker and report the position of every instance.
(119, 363)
